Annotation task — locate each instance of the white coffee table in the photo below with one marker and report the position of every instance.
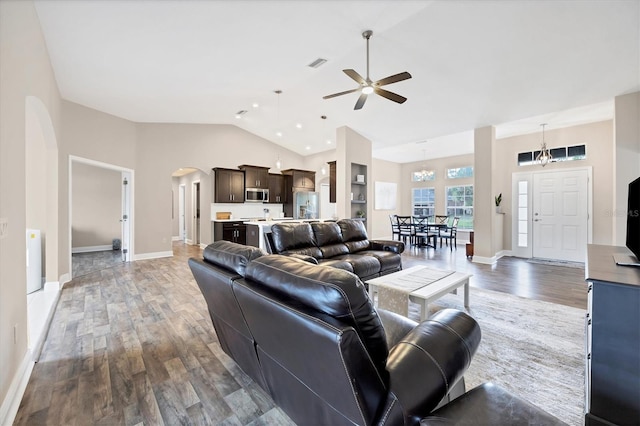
(419, 284)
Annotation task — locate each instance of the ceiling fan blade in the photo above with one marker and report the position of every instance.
(360, 102)
(389, 95)
(340, 93)
(393, 79)
(355, 76)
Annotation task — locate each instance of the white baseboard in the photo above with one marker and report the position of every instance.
(89, 249)
(188, 242)
(64, 278)
(488, 260)
(12, 399)
(176, 238)
(203, 246)
(484, 260)
(156, 255)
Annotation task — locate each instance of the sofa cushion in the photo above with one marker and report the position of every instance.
(363, 266)
(336, 263)
(233, 257)
(294, 238)
(389, 261)
(329, 290)
(354, 234)
(327, 233)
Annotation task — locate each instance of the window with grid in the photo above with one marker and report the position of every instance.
(459, 201)
(423, 201)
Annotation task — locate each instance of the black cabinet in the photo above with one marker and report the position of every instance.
(255, 176)
(301, 180)
(332, 181)
(235, 232)
(277, 194)
(229, 185)
(613, 339)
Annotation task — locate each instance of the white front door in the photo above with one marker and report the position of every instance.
(560, 215)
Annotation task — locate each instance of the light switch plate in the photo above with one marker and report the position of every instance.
(4, 226)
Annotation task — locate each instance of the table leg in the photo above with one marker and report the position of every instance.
(466, 294)
(424, 309)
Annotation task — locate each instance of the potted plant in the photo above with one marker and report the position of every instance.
(360, 213)
(498, 201)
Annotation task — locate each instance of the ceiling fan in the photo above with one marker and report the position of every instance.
(367, 86)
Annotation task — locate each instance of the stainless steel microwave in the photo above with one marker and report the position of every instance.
(256, 195)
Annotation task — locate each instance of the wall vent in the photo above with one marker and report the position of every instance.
(317, 63)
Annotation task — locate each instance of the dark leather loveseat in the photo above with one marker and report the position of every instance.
(343, 244)
(311, 338)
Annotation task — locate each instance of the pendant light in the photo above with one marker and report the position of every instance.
(544, 156)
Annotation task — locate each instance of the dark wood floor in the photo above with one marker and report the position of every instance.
(133, 344)
(557, 284)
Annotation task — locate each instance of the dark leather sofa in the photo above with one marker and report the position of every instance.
(343, 244)
(311, 338)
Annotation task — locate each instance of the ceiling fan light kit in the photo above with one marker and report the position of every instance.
(368, 87)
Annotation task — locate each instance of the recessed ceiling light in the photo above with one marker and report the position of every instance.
(255, 105)
(298, 126)
(279, 134)
(328, 141)
(308, 148)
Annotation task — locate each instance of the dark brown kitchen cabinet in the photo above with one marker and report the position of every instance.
(229, 185)
(235, 232)
(301, 180)
(277, 194)
(255, 176)
(332, 181)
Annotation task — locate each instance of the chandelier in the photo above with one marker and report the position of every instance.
(544, 156)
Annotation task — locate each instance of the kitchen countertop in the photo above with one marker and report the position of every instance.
(255, 220)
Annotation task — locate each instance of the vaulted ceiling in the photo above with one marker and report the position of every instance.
(474, 63)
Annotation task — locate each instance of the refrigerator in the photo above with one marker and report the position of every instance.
(34, 260)
(305, 205)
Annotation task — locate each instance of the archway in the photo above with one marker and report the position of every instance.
(41, 217)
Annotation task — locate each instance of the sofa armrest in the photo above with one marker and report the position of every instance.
(304, 257)
(426, 364)
(387, 245)
(395, 326)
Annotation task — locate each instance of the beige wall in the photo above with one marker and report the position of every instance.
(97, 206)
(95, 136)
(25, 70)
(598, 137)
(440, 166)
(384, 171)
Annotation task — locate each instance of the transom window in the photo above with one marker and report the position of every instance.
(459, 201)
(460, 172)
(423, 201)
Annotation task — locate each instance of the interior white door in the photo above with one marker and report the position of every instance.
(560, 215)
(195, 192)
(181, 212)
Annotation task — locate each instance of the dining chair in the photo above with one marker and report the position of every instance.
(405, 227)
(450, 233)
(423, 232)
(441, 219)
(395, 229)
